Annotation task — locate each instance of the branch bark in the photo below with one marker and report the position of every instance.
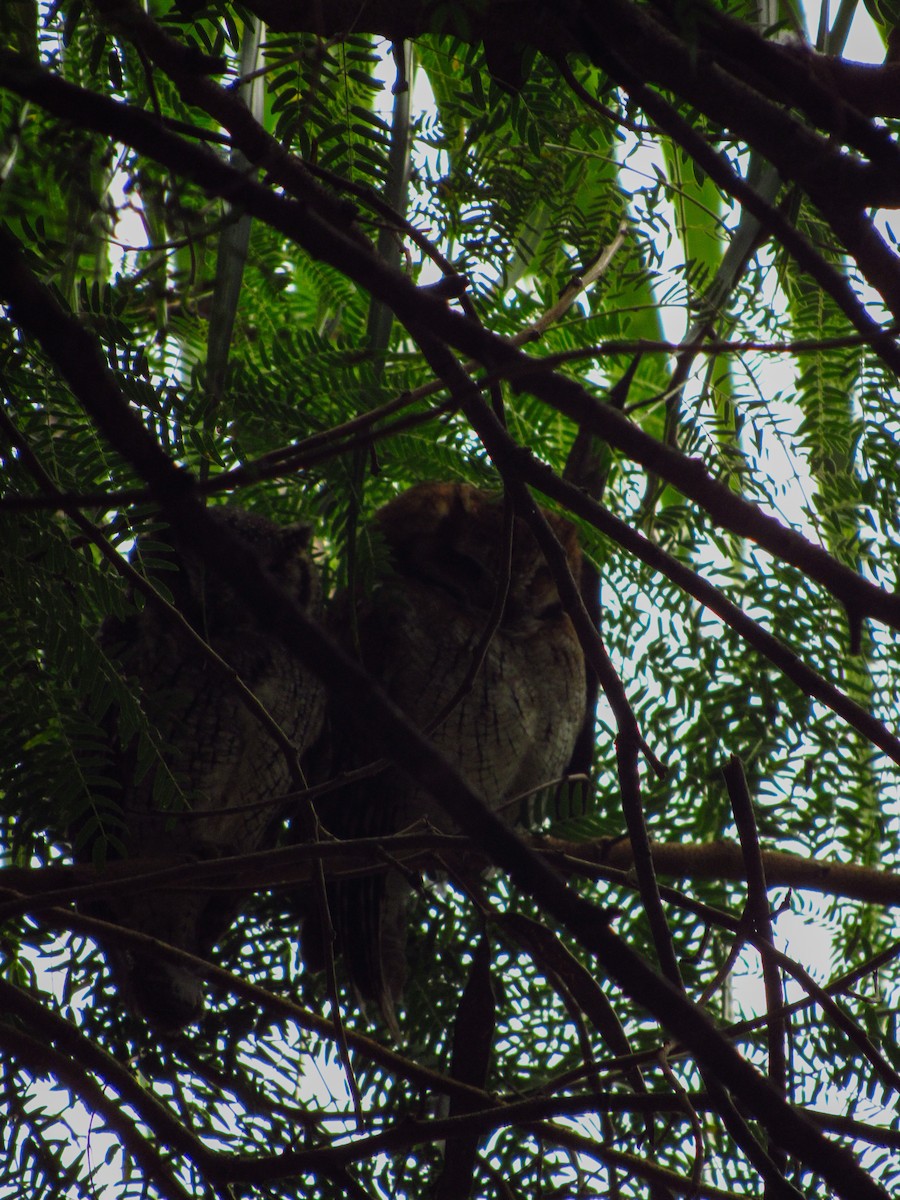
(723, 860)
(416, 307)
(77, 358)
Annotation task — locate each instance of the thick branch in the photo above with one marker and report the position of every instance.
(352, 688)
(725, 70)
(416, 306)
(43, 887)
(777, 652)
(724, 860)
(722, 66)
(76, 1048)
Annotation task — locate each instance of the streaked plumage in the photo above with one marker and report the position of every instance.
(418, 632)
(219, 755)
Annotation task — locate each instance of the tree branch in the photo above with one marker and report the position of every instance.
(723, 860)
(77, 358)
(416, 307)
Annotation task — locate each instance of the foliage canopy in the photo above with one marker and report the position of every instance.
(246, 253)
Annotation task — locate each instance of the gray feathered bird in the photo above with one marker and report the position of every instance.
(516, 721)
(215, 757)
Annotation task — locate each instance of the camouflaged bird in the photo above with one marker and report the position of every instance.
(510, 724)
(214, 757)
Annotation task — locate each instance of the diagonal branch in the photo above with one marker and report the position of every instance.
(416, 306)
(350, 686)
(73, 1047)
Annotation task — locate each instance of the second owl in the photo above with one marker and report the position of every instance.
(228, 772)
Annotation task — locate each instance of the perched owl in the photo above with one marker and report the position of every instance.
(213, 757)
(420, 631)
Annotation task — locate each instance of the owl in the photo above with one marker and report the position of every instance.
(213, 782)
(507, 712)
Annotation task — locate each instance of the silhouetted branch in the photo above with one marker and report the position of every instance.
(77, 359)
(417, 307)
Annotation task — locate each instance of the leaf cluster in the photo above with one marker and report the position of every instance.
(777, 394)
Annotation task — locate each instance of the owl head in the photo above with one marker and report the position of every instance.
(211, 605)
(450, 536)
